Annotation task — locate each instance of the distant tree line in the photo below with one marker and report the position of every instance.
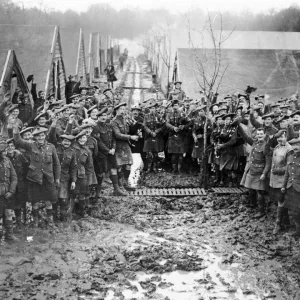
(130, 23)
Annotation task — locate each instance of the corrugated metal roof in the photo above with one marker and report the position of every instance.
(273, 72)
(32, 45)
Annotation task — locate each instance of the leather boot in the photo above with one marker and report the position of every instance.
(98, 187)
(285, 218)
(261, 206)
(252, 202)
(9, 231)
(217, 179)
(120, 182)
(126, 183)
(278, 224)
(180, 171)
(35, 215)
(82, 213)
(155, 169)
(221, 178)
(230, 182)
(149, 165)
(174, 169)
(296, 233)
(118, 191)
(50, 217)
(55, 214)
(18, 218)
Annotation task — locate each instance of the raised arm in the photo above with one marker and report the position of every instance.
(248, 139)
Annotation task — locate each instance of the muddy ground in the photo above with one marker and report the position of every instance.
(175, 248)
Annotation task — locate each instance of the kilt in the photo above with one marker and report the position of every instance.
(64, 189)
(198, 149)
(104, 165)
(188, 142)
(292, 200)
(42, 192)
(250, 181)
(176, 144)
(152, 144)
(82, 187)
(21, 197)
(230, 158)
(275, 195)
(123, 154)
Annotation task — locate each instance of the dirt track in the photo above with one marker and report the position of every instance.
(155, 248)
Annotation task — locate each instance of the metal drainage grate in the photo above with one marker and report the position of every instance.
(229, 190)
(169, 192)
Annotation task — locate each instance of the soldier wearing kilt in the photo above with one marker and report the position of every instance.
(257, 168)
(176, 123)
(84, 168)
(291, 184)
(20, 164)
(154, 143)
(8, 185)
(198, 134)
(123, 151)
(106, 160)
(278, 166)
(215, 155)
(231, 149)
(68, 162)
(43, 172)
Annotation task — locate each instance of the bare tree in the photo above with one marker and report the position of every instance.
(208, 66)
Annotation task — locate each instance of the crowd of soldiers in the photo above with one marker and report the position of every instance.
(65, 151)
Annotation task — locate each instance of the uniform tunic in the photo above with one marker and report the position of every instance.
(198, 129)
(68, 164)
(278, 166)
(103, 133)
(259, 162)
(8, 183)
(176, 118)
(292, 183)
(92, 145)
(20, 164)
(153, 123)
(123, 151)
(84, 168)
(43, 170)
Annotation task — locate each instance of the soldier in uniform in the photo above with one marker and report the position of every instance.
(291, 184)
(41, 120)
(278, 166)
(84, 168)
(293, 129)
(257, 168)
(215, 155)
(154, 143)
(20, 164)
(8, 185)
(176, 122)
(106, 160)
(123, 151)
(198, 134)
(230, 150)
(43, 172)
(9, 118)
(178, 93)
(68, 162)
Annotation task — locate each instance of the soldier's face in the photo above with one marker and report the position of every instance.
(260, 135)
(178, 86)
(3, 154)
(66, 112)
(296, 119)
(42, 121)
(82, 140)
(83, 92)
(102, 118)
(135, 113)
(66, 143)
(40, 138)
(89, 131)
(268, 121)
(283, 124)
(94, 113)
(27, 136)
(176, 106)
(10, 147)
(282, 139)
(121, 110)
(15, 113)
(75, 100)
(227, 121)
(52, 99)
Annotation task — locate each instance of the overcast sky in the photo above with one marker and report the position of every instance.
(172, 5)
